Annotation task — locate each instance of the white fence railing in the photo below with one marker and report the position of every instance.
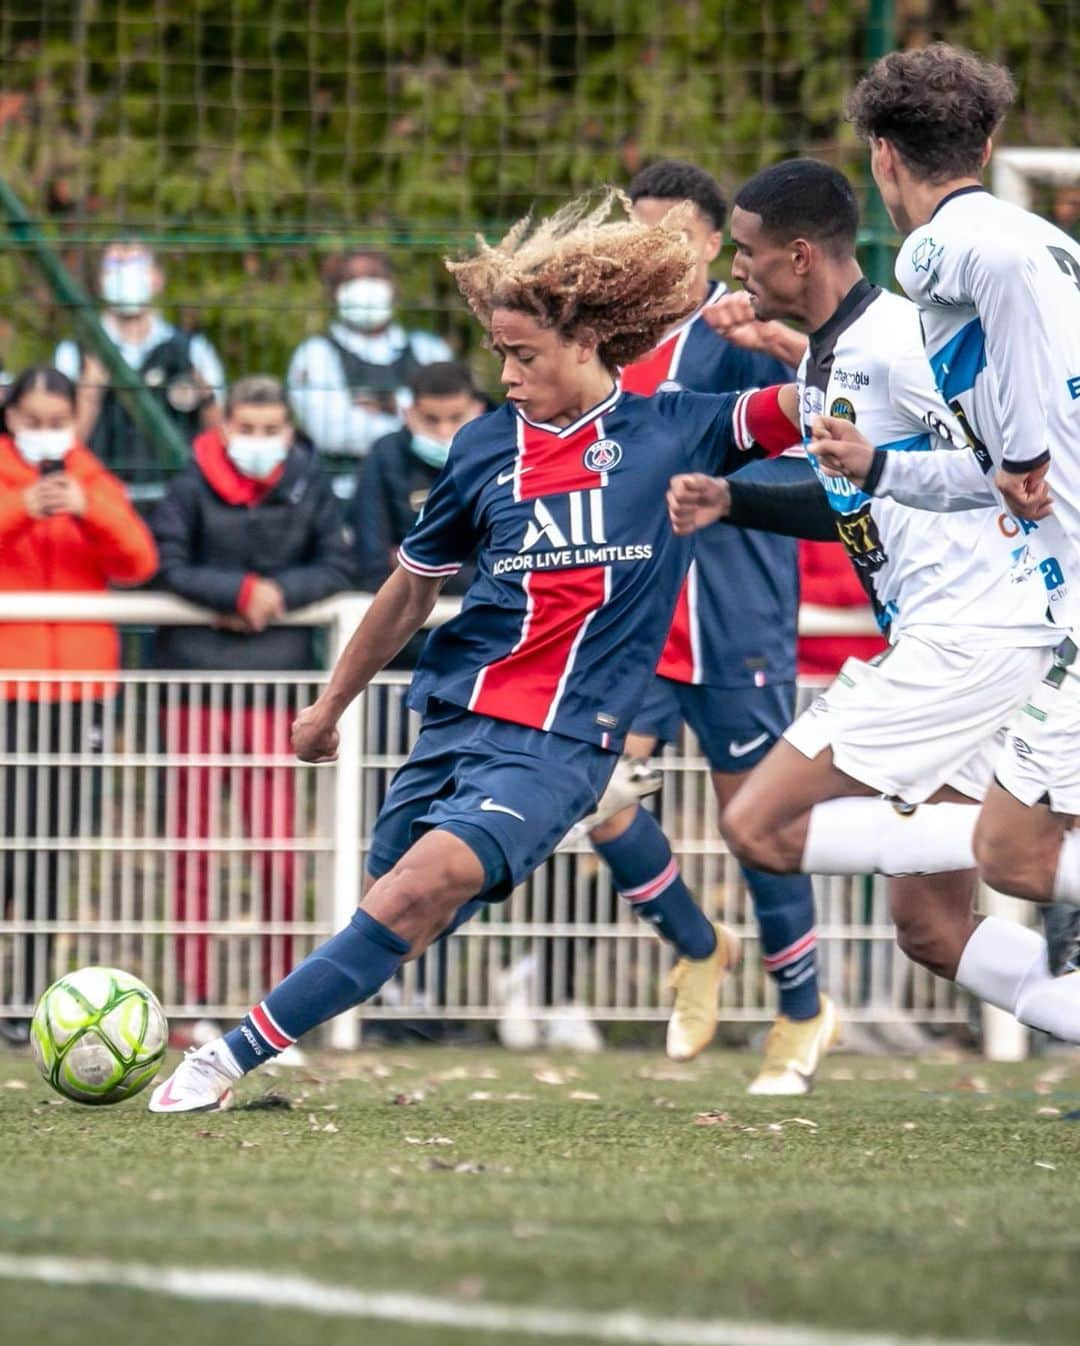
(164, 826)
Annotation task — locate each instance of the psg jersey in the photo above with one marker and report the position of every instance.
(578, 570)
(735, 620)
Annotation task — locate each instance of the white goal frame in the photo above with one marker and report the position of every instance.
(1016, 172)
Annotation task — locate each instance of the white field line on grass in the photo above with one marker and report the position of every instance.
(238, 1286)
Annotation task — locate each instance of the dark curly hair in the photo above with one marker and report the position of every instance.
(674, 180)
(937, 106)
(621, 283)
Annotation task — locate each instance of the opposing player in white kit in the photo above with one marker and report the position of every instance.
(964, 607)
(999, 293)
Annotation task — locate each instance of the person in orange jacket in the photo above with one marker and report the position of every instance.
(65, 524)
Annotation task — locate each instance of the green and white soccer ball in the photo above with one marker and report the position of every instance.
(98, 1035)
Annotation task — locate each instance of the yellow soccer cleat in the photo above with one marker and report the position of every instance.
(793, 1051)
(696, 983)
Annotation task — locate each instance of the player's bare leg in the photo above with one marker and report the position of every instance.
(399, 916)
(1031, 852)
(767, 819)
(1017, 846)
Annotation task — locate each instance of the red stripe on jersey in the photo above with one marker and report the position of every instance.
(679, 657)
(552, 464)
(644, 376)
(526, 685)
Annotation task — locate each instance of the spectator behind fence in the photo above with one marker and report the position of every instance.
(252, 530)
(65, 524)
(827, 578)
(347, 386)
(180, 368)
(394, 480)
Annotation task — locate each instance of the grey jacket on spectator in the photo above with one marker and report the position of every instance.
(215, 530)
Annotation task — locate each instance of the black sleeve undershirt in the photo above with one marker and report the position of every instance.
(799, 509)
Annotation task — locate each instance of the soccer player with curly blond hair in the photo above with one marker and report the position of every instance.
(527, 694)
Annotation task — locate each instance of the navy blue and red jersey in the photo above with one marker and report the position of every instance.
(735, 620)
(578, 570)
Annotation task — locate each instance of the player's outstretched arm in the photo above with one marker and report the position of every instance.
(397, 612)
(942, 480)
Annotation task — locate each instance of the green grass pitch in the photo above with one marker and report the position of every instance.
(936, 1200)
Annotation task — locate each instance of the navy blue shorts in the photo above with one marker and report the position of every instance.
(509, 792)
(736, 726)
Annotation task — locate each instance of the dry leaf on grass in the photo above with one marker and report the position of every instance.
(972, 1084)
(711, 1118)
(15, 1084)
(1047, 1112)
(583, 1096)
(429, 1140)
(549, 1075)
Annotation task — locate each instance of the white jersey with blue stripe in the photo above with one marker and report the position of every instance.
(998, 289)
(969, 575)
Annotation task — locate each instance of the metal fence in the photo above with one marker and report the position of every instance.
(159, 822)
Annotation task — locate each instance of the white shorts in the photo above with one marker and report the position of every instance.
(1040, 762)
(921, 716)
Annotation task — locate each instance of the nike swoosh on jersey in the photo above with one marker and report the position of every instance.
(504, 478)
(489, 806)
(741, 749)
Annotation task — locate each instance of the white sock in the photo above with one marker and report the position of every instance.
(1005, 964)
(871, 836)
(1067, 879)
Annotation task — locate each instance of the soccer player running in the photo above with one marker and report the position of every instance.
(728, 670)
(965, 610)
(998, 290)
(528, 693)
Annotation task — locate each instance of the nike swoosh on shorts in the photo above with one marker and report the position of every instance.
(741, 749)
(489, 806)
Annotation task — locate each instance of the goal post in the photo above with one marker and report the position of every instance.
(1018, 173)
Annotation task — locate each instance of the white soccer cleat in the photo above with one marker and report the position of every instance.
(202, 1082)
(569, 1029)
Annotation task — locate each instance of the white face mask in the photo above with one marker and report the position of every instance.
(257, 455)
(127, 286)
(434, 452)
(43, 446)
(366, 303)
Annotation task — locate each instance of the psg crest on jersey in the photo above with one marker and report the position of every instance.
(602, 456)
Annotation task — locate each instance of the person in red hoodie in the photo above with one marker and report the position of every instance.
(65, 524)
(251, 529)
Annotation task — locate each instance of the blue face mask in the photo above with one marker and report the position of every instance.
(434, 452)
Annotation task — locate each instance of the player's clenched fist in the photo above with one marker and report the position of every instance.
(696, 500)
(314, 737)
(1026, 493)
(840, 449)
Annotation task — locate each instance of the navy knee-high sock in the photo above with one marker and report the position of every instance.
(647, 876)
(346, 970)
(784, 906)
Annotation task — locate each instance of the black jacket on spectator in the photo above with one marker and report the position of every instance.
(215, 528)
(391, 486)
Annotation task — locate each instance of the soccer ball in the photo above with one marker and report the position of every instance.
(98, 1035)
